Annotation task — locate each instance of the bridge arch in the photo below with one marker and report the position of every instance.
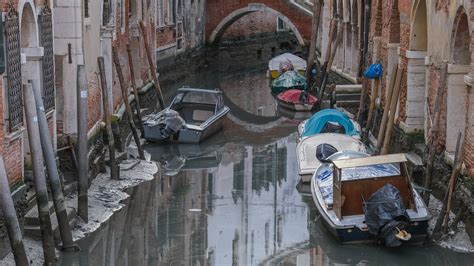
(225, 23)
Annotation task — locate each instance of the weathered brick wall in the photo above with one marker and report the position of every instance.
(252, 24)
(217, 10)
(166, 35)
(13, 160)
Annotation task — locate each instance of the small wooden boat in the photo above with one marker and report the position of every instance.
(275, 64)
(194, 115)
(367, 199)
(306, 151)
(296, 100)
(329, 121)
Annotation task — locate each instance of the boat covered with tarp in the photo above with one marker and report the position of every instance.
(296, 100)
(286, 61)
(194, 115)
(309, 149)
(329, 121)
(287, 81)
(366, 199)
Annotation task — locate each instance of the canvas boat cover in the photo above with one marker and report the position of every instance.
(297, 62)
(168, 122)
(296, 96)
(288, 80)
(320, 120)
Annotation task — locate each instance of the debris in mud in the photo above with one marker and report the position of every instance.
(456, 240)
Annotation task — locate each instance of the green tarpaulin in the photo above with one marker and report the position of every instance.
(288, 80)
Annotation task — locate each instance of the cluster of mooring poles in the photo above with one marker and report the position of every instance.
(42, 153)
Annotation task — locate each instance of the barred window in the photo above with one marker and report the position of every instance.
(13, 60)
(46, 37)
(86, 9)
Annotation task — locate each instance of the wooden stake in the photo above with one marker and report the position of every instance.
(152, 66)
(329, 65)
(434, 131)
(82, 160)
(453, 180)
(134, 88)
(128, 109)
(39, 176)
(54, 181)
(393, 110)
(10, 219)
(388, 100)
(444, 210)
(114, 169)
(314, 38)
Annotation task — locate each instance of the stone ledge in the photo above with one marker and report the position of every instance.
(411, 129)
(458, 69)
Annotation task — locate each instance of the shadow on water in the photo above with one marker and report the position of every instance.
(234, 200)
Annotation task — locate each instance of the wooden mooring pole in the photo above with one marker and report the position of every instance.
(134, 88)
(114, 170)
(393, 110)
(128, 109)
(434, 130)
(82, 160)
(39, 176)
(314, 39)
(10, 219)
(152, 66)
(53, 175)
(386, 109)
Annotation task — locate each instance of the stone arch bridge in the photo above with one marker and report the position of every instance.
(222, 13)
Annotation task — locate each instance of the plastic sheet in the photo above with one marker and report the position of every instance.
(168, 122)
(383, 207)
(318, 121)
(288, 80)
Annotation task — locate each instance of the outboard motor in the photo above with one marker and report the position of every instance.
(323, 151)
(386, 216)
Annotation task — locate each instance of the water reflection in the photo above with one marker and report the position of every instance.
(234, 200)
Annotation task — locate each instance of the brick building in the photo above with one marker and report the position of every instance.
(418, 35)
(44, 41)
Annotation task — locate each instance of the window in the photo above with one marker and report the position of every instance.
(106, 12)
(2, 49)
(86, 9)
(281, 25)
(160, 18)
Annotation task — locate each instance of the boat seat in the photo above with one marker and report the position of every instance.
(202, 115)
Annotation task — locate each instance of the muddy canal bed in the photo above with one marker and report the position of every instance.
(234, 200)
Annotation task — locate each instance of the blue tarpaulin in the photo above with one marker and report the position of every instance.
(317, 122)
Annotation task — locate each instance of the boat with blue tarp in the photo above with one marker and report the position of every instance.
(329, 121)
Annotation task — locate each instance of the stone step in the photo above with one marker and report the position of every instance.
(31, 217)
(348, 97)
(34, 231)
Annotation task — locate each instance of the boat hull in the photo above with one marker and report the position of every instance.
(353, 229)
(299, 107)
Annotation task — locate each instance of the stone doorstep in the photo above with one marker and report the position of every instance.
(33, 230)
(31, 217)
(348, 97)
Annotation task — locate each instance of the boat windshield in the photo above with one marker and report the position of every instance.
(371, 171)
(197, 97)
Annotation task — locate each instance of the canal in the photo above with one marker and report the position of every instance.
(234, 199)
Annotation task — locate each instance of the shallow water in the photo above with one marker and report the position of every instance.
(235, 200)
